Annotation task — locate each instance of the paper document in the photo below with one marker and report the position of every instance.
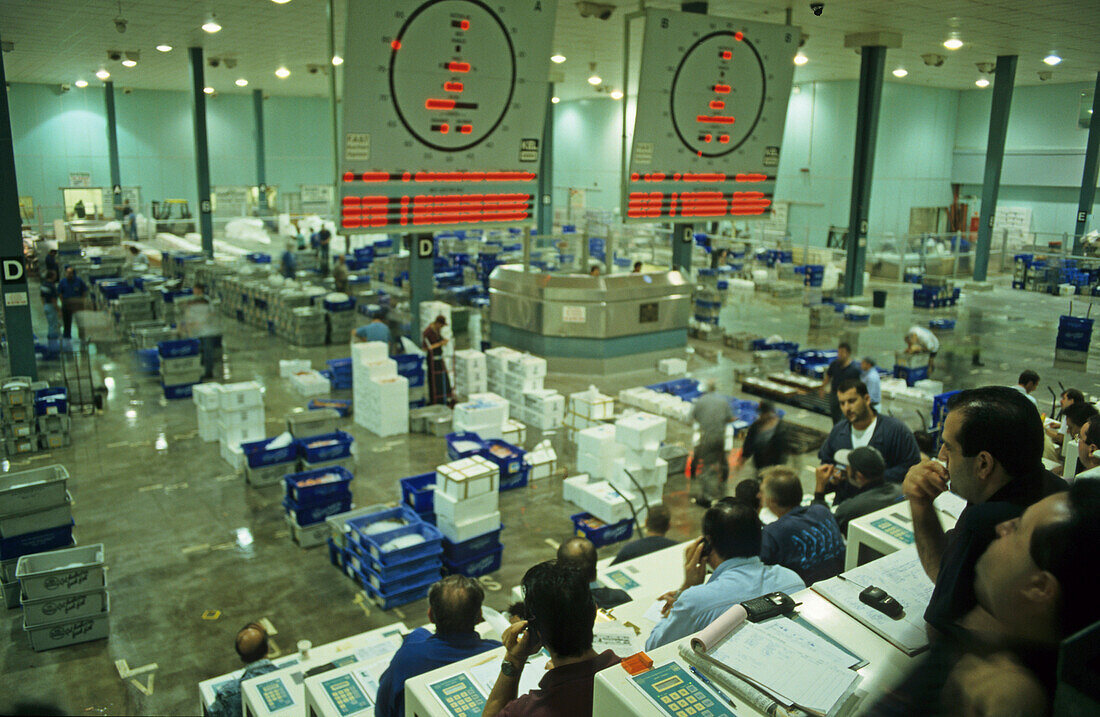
(619, 639)
(950, 503)
(792, 634)
(485, 674)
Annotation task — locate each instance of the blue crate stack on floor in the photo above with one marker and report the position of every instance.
(180, 366)
(393, 555)
(311, 497)
(1074, 339)
(466, 502)
(418, 493)
(341, 373)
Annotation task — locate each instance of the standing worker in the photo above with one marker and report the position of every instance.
(439, 388)
(920, 340)
(49, 306)
(840, 370)
(73, 290)
(288, 263)
(129, 220)
(869, 375)
(340, 274)
(712, 412)
(324, 239)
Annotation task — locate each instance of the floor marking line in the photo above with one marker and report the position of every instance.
(146, 488)
(195, 548)
(146, 690)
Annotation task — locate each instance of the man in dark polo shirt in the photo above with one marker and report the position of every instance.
(993, 449)
(561, 614)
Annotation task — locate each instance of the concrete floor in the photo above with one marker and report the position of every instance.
(168, 509)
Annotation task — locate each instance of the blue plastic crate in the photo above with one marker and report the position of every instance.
(942, 324)
(603, 534)
(476, 565)
(393, 586)
(335, 554)
(180, 390)
(347, 304)
(298, 491)
(340, 405)
(51, 401)
(388, 601)
(408, 362)
(357, 526)
(477, 545)
(178, 347)
(19, 545)
(359, 558)
(336, 446)
(911, 375)
(416, 494)
(430, 547)
(1073, 344)
(510, 464)
(313, 513)
(416, 380)
(452, 438)
(259, 455)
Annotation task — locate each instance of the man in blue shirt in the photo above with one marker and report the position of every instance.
(376, 330)
(73, 290)
(869, 375)
(252, 647)
(454, 607)
(805, 539)
(730, 545)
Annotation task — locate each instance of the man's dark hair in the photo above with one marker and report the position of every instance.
(1028, 376)
(637, 265)
(845, 345)
(658, 519)
(1074, 394)
(455, 602)
(1056, 547)
(1003, 422)
(748, 492)
(781, 483)
(849, 383)
(560, 607)
(1091, 437)
(733, 529)
(765, 408)
(200, 286)
(925, 442)
(581, 554)
(1079, 413)
(249, 646)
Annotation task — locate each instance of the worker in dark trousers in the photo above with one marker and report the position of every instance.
(439, 388)
(73, 292)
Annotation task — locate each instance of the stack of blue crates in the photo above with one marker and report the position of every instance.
(314, 495)
(341, 373)
(930, 297)
(1074, 338)
(418, 493)
(815, 275)
(911, 374)
(480, 555)
(812, 362)
(509, 459)
(395, 566)
(180, 365)
(411, 366)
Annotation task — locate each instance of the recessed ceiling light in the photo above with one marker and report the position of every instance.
(241, 82)
(557, 59)
(208, 90)
(595, 80)
(103, 74)
(1052, 59)
(129, 63)
(81, 83)
(555, 100)
(282, 73)
(337, 60)
(952, 43)
(800, 59)
(616, 94)
(901, 72)
(280, 2)
(982, 82)
(164, 48)
(211, 25)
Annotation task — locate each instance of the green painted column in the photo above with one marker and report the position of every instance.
(13, 275)
(421, 278)
(1003, 80)
(871, 70)
(261, 168)
(1088, 180)
(202, 151)
(545, 209)
(112, 147)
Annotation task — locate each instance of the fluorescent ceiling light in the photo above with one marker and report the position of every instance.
(211, 26)
(1052, 59)
(103, 74)
(555, 100)
(129, 63)
(81, 83)
(208, 90)
(901, 72)
(800, 59)
(241, 82)
(282, 73)
(595, 80)
(164, 48)
(557, 59)
(337, 60)
(280, 2)
(982, 82)
(952, 43)
(616, 94)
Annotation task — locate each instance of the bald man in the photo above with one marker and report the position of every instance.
(252, 649)
(580, 553)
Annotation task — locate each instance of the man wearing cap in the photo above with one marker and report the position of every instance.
(869, 375)
(439, 389)
(866, 473)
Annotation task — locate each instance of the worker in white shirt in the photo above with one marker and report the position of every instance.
(919, 340)
(1027, 383)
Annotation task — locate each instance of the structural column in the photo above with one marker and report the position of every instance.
(202, 151)
(336, 123)
(13, 274)
(994, 157)
(421, 278)
(1088, 181)
(872, 66)
(545, 209)
(112, 147)
(261, 170)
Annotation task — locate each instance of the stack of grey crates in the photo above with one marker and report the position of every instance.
(17, 420)
(130, 309)
(181, 370)
(341, 323)
(305, 326)
(35, 516)
(64, 596)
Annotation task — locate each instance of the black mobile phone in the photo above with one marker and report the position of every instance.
(706, 547)
(768, 606)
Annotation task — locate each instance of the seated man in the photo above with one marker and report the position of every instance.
(1088, 443)
(863, 426)
(580, 553)
(730, 546)
(560, 617)
(454, 607)
(1057, 431)
(252, 648)
(992, 448)
(1033, 587)
(805, 539)
(1076, 416)
(657, 522)
(865, 472)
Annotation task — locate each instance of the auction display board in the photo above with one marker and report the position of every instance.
(712, 100)
(444, 103)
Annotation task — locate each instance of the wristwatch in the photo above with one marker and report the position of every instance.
(509, 670)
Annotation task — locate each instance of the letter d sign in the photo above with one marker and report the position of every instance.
(13, 271)
(425, 247)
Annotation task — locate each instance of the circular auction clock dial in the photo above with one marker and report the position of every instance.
(718, 93)
(452, 73)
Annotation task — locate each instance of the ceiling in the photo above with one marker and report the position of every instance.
(60, 41)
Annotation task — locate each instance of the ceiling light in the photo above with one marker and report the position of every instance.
(280, 2)
(616, 94)
(129, 63)
(557, 59)
(982, 82)
(901, 72)
(800, 59)
(282, 73)
(952, 43)
(337, 60)
(81, 83)
(1052, 59)
(103, 74)
(555, 100)
(241, 82)
(211, 25)
(595, 80)
(164, 48)
(208, 90)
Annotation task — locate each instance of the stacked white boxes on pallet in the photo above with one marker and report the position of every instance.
(496, 365)
(597, 451)
(484, 414)
(545, 409)
(467, 498)
(587, 409)
(470, 373)
(240, 419)
(605, 501)
(381, 397)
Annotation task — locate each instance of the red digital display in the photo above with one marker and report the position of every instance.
(458, 66)
(722, 89)
(424, 210)
(717, 105)
(452, 86)
(439, 104)
(699, 176)
(656, 205)
(739, 36)
(726, 55)
(456, 176)
(713, 119)
(466, 128)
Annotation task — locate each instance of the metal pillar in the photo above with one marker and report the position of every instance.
(261, 169)
(1088, 180)
(13, 274)
(872, 66)
(335, 123)
(202, 151)
(112, 147)
(545, 209)
(1003, 80)
(421, 278)
(683, 235)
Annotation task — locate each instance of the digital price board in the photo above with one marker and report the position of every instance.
(712, 100)
(444, 102)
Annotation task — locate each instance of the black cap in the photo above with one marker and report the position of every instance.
(868, 461)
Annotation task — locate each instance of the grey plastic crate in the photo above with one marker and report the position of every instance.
(7, 567)
(61, 572)
(10, 594)
(69, 632)
(347, 463)
(63, 607)
(269, 475)
(312, 423)
(33, 489)
(309, 536)
(36, 520)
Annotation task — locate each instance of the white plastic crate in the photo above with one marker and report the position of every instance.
(69, 632)
(245, 394)
(207, 396)
(238, 433)
(459, 511)
(514, 432)
(61, 572)
(597, 440)
(208, 424)
(309, 536)
(252, 416)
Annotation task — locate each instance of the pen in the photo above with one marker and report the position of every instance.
(708, 683)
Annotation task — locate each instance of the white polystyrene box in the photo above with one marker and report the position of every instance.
(207, 396)
(467, 478)
(461, 532)
(459, 511)
(597, 440)
(637, 430)
(672, 366)
(240, 395)
(377, 368)
(592, 405)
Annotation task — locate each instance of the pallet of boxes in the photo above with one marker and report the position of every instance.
(232, 414)
(380, 395)
(180, 366)
(18, 423)
(321, 487)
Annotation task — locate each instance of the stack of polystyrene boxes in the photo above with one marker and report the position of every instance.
(240, 419)
(544, 409)
(496, 365)
(640, 434)
(523, 373)
(207, 398)
(484, 414)
(428, 311)
(672, 366)
(381, 396)
(542, 461)
(605, 501)
(467, 502)
(597, 451)
(470, 373)
(587, 409)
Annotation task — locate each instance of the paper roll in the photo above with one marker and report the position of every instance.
(713, 633)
